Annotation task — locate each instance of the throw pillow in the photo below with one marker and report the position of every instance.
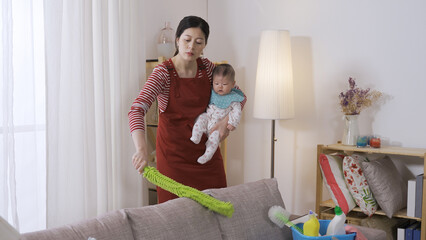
(386, 184)
(357, 183)
(331, 168)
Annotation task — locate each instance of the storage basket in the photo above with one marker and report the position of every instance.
(323, 230)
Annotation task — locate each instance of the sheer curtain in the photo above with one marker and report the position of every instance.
(88, 56)
(22, 115)
(94, 63)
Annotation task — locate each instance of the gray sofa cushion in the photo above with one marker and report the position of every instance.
(251, 203)
(180, 218)
(110, 226)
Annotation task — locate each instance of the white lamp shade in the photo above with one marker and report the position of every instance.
(273, 98)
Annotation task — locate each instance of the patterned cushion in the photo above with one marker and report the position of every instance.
(331, 168)
(357, 184)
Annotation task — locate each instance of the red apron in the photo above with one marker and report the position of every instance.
(176, 154)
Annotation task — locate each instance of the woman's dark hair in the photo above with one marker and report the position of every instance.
(224, 70)
(191, 22)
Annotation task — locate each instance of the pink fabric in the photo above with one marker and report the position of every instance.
(352, 229)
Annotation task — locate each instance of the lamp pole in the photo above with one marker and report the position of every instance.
(273, 140)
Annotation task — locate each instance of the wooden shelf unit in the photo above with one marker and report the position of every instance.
(386, 150)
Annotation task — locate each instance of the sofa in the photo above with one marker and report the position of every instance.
(184, 218)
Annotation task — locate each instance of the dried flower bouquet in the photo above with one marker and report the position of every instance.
(355, 99)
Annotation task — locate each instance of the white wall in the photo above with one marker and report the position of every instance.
(380, 43)
(157, 12)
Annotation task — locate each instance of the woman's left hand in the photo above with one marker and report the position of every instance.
(222, 127)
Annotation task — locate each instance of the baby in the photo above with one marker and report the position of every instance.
(224, 100)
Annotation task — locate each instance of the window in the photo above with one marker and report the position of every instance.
(22, 115)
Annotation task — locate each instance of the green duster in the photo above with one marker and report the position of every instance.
(168, 184)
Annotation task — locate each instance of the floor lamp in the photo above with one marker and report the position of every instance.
(273, 98)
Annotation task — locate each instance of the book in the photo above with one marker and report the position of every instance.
(416, 233)
(419, 196)
(411, 197)
(409, 231)
(400, 232)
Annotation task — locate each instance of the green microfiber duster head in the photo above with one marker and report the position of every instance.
(168, 184)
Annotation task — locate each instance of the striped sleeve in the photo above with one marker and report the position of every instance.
(209, 68)
(245, 98)
(157, 86)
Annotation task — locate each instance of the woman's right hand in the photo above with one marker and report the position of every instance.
(140, 160)
(222, 127)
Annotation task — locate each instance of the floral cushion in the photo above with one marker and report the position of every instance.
(331, 168)
(357, 184)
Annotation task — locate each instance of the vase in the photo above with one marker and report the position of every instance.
(165, 45)
(351, 132)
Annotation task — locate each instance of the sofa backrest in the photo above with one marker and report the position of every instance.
(251, 203)
(180, 218)
(184, 218)
(109, 226)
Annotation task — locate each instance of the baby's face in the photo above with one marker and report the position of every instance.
(222, 85)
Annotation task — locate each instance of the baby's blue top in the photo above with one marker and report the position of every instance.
(225, 101)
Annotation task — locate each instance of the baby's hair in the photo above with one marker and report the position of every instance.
(224, 69)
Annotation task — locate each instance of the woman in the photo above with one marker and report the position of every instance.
(182, 86)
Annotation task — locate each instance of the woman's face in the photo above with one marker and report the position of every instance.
(191, 43)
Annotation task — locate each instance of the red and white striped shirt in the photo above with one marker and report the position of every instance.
(158, 86)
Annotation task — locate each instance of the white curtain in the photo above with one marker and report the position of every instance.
(94, 58)
(22, 115)
(94, 64)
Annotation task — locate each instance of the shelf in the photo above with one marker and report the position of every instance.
(416, 152)
(326, 207)
(400, 214)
